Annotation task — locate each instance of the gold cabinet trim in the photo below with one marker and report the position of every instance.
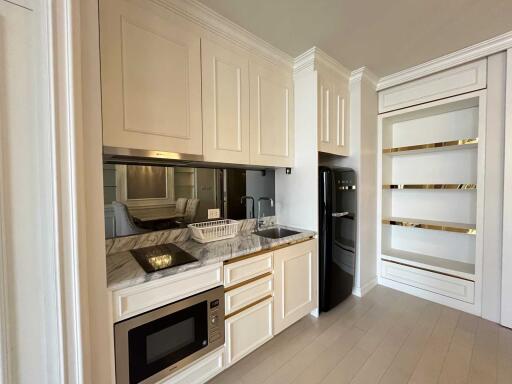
(248, 306)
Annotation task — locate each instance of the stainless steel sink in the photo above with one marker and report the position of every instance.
(275, 233)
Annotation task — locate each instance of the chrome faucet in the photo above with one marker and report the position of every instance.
(244, 198)
(259, 222)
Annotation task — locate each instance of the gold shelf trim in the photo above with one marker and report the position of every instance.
(430, 186)
(468, 229)
(433, 146)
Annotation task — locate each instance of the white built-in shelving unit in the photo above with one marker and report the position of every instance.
(431, 173)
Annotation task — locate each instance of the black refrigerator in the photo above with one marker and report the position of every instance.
(337, 238)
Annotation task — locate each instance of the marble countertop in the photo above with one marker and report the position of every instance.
(124, 271)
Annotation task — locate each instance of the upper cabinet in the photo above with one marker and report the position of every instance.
(272, 125)
(328, 80)
(151, 79)
(172, 84)
(333, 107)
(225, 104)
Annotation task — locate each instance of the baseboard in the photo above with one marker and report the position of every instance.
(315, 312)
(431, 296)
(367, 287)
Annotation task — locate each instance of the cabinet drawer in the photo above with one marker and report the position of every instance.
(240, 271)
(200, 371)
(248, 330)
(240, 297)
(449, 286)
(455, 81)
(135, 300)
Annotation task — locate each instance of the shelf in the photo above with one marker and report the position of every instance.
(433, 147)
(430, 186)
(469, 229)
(436, 264)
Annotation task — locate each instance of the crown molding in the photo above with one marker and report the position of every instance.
(310, 59)
(199, 14)
(473, 52)
(363, 72)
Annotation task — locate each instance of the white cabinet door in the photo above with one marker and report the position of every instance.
(247, 330)
(151, 79)
(225, 104)
(333, 121)
(295, 283)
(271, 110)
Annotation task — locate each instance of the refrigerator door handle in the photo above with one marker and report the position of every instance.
(340, 214)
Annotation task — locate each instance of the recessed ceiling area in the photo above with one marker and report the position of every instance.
(385, 36)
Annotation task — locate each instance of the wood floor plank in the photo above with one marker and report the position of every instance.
(378, 363)
(484, 360)
(345, 371)
(457, 362)
(292, 369)
(431, 362)
(387, 337)
(274, 361)
(505, 356)
(411, 351)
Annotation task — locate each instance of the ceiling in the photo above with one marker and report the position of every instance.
(386, 36)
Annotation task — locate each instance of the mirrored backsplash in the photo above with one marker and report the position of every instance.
(144, 198)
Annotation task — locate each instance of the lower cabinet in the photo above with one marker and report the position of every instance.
(295, 283)
(247, 330)
(201, 371)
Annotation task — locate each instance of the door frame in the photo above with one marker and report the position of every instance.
(506, 281)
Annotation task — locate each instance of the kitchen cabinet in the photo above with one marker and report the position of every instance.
(271, 115)
(333, 114)
(248, 330)
(200, 371)
(295, 283)
(225, 72)
(151, 79)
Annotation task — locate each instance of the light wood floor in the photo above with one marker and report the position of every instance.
(385, 337)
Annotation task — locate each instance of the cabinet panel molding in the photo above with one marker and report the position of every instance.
(225, 104)
(462, 79)
(295, 283)
(271, 120)
(151, 79)
(248, 330)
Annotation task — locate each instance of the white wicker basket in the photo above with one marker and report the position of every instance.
(214, 230)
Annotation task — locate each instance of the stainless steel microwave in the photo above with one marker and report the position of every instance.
(153, 345)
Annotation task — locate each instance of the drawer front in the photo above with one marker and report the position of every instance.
(464, 78)
(200, 371)
(248, 330)
(245, 295)
(135, 300)
(238, 272)
(456, 288)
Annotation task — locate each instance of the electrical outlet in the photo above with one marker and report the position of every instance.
(214, 213)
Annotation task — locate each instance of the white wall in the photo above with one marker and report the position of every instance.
(297, 193)
(30, 347)
(493, 205)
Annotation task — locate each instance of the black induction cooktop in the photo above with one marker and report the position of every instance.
(158, 257)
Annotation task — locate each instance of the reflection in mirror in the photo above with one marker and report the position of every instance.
(144, 198)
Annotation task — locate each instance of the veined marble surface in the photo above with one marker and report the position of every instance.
(126, 243)
(124, 271)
